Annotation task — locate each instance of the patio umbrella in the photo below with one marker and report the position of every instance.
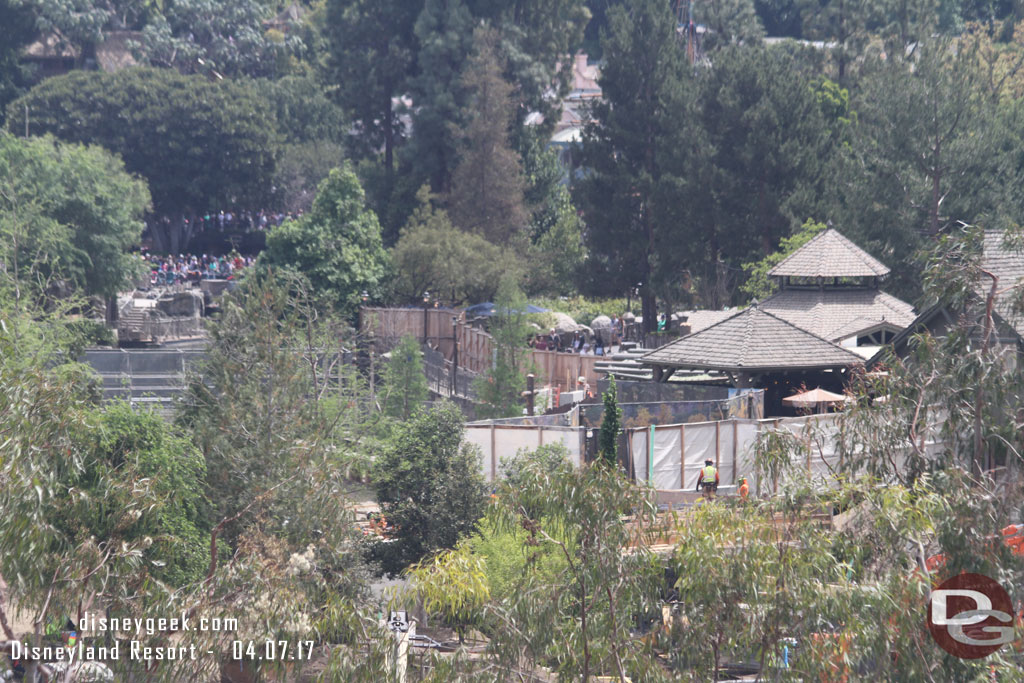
(818, 398)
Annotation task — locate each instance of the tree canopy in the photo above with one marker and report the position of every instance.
(337, 246)
(201, 145)
(68, 213)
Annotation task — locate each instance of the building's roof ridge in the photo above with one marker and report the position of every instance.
(829, 254)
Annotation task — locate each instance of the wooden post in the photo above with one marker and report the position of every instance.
(735, 451)
(494, 459)
(682, 456)
(529, 394)
(718, 424)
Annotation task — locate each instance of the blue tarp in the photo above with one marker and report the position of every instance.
(488, 309)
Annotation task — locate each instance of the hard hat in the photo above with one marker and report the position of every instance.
(708, 461)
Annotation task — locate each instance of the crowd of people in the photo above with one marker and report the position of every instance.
(582, 342)
(243, 221)
(192, 268)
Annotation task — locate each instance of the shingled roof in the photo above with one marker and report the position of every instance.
(1007, 263)
(833, 313)
(752, 340)
(829, 254)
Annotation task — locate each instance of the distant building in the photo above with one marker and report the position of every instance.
(828, 317)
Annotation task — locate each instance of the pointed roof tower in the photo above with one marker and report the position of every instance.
(829, 254)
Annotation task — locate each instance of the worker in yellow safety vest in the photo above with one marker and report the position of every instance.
(708, 480)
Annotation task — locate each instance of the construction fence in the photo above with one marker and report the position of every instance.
(669, 457)
(502, 442)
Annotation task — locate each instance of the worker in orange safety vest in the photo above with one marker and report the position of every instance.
(744, 489)
(708, 480)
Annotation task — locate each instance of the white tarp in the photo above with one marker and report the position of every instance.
(729, 443)
(498, 442)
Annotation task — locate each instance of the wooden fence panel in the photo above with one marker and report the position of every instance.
(435, 326)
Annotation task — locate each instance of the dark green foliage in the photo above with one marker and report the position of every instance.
(927, 154)
(548, 458)
(429, 485)
(404, 382)
(68, 215)
(432, 255)
(16, 30)
(336, 246)
(371, 54)
(201, 145)
(487, 185)
(126, 443)
(611, 425)
(218, 39)
(628, 197)
(282, 422)
(445, 33)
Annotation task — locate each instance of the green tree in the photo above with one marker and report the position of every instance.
(608, 438)
(17, 26)
(554, 261)
(759, 162)
(628, 230)
(487, 185)
(452, 584)
(758, 284)
(731, 22)
(444, 31)
(434, 256)
(221, 39)
(337, 245)
(68, 213)
(371, 54)
(429, 485)
(499, 389)
(405, 382)
(578, 620)
(73, 532)
(537, 35)
(140, 444)
(932, 149)
(281, 422)
(202, 146)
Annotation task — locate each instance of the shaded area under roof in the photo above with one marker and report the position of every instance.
(836, 314)
(829, 254)
(753, 340)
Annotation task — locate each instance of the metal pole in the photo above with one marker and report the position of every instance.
(26, 119)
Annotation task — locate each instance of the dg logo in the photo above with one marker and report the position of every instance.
(970, 616)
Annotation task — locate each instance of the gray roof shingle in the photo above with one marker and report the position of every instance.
(752, 340)
(829, 254)
(1007, 263)
(833, 313)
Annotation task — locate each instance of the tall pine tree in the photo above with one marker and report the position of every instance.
(627, 196)
(487, 186)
